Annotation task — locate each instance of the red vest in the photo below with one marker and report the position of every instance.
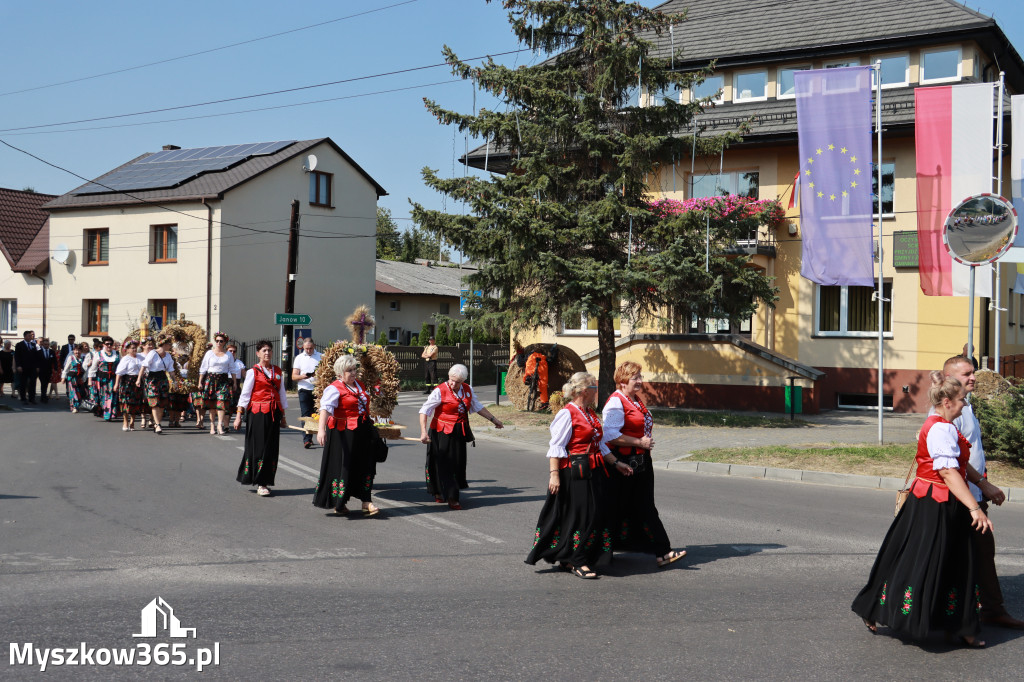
(927, 477)
(447, 415)
(266, 396)
(346, 414)
(583, 441)
(633, 422)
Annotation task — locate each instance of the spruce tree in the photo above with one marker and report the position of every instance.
(568, 229)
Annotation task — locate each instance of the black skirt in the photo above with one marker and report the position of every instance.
(573, 524)
(347, 467)
(636, 525)
(445, 470)
(924, 577)
(262, 446)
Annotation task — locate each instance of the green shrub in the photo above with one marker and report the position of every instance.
(414, 340)
(1002, 425)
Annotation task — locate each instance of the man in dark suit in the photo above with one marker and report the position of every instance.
(44, 369)
(27, 358)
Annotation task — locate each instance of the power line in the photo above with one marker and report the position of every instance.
(233, 113)
(207, 51)
(253, 96)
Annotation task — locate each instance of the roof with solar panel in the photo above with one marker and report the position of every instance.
(189, 174)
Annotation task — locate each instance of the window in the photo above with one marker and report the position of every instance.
(8, 315)
(787, 84)
(320, 188)
(742, 183)
(164, 244)
(97, 244)
(396, 305)
(750, 86)
(96, 316)
(393, 334)
(445, 307)
(583, 326)
(713, 325)
(888, 186)
(841, 64)
(977, 66)
(938, 66)
(850, 311)
(895, 71)
(659, 98)
(164, 308)
(711, 87)
(1009, 308)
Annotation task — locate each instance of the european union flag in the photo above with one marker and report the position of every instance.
(833, 108)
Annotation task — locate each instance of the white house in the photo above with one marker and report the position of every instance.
(24, 242)
(204, 233)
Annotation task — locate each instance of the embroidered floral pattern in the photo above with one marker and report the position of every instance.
(908, 600)
(536, 536)
(368, 483)
(881, 600)
(426, 470)
(951, 602)
(977, 599)
(576, 540)
(554, 538)
(606, 540)
(624, 531)
(590, 540)
(338, 487)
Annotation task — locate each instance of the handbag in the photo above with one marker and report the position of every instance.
(579, 468)
(87, 405)
(901, 496)
(378, 446)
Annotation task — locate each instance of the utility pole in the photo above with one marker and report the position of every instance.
(287, 356)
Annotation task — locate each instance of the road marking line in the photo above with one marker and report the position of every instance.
(298, 465)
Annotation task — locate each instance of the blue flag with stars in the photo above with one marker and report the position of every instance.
(833, 114)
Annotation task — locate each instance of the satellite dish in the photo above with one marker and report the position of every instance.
(61, 254)
(310, 164)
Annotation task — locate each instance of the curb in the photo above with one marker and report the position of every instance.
(685, 465)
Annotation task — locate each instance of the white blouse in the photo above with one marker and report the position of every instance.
(613, 418)
(129, 365)
(943, 446)
(154, 363)
(561, 434)
(238, 369)
(329, 400)
(250, 380)
(212, 364)
(434, 399)
(92, 363)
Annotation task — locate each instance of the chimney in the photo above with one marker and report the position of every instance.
(170, 147)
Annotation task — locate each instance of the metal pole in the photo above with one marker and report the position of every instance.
(881, 301)
(471, 351)
(289, 295)
(970, 315)
(999, 192)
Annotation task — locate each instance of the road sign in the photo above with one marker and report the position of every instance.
(293, 319)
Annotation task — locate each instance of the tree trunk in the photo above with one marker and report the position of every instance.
(606, 356)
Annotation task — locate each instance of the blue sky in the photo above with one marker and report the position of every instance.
(390, 134)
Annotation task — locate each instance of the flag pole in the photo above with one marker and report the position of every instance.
(878, 294)
(999, 192)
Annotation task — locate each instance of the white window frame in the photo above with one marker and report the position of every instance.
(394, 335)
(840, 63)
(734, 178)
(736, 91)
(844, 297)
(6, 305)
(583, 331)
(943, 79)
(721, 90)
(778, 79)
(906, 72)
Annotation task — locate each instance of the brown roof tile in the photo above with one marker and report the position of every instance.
(21, 221)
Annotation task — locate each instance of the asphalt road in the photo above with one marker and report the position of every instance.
(96, 523)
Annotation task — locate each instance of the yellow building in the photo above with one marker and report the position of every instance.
(824, 337)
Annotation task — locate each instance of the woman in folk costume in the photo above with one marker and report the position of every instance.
(925, 576)
(105, 378)
(157, 367)
(237, 375)
(178, 393)
(573, 527)
(74, 375)
(91, 363)
(216, 382)
(129, 394)
(264, 399)
(448, 408)
(347, 467)
(628, 429)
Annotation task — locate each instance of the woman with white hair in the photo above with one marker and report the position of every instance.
(574, 526)
(347, 467)
(448, 407)
(264, 398)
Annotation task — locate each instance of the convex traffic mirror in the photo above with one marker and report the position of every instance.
(980, 229)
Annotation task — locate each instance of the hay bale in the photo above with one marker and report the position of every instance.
(379, 375)
(988, 384)
(189, 346)
(568, 364)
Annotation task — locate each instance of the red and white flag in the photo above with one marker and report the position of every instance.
(954, 139)
(796, 190)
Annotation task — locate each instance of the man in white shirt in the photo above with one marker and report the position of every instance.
(303, 369)
(991, 596)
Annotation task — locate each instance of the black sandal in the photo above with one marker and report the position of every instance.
(974, 643)
(872, 627)
(585, 574)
